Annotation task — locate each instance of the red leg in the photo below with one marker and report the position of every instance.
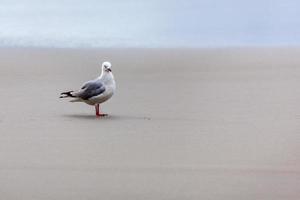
(98, 112)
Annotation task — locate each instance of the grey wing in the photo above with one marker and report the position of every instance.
(90, 89)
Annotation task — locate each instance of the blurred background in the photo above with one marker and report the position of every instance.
(143, 23)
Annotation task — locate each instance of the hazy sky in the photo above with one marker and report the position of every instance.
(150, 23)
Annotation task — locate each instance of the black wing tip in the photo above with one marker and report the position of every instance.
(66, 94)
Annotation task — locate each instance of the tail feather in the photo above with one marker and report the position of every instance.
(66, 94)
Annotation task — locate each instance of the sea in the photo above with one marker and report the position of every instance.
(144, 23)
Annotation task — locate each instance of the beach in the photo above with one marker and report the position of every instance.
(184, 124)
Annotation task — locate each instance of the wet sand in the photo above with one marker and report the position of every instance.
(184, 124)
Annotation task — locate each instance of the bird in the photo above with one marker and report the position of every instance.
(95, 92)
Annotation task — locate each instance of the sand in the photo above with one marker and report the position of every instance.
(184, 124)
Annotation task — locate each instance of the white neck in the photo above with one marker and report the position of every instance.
(107, 77)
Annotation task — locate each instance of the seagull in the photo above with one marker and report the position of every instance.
(96, 91)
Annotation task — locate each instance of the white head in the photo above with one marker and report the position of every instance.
(106, 67)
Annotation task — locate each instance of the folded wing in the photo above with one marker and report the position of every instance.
(90, 89)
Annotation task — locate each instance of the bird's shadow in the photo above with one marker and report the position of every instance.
(108, 117)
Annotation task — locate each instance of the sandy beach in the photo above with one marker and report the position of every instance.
(185, 124)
